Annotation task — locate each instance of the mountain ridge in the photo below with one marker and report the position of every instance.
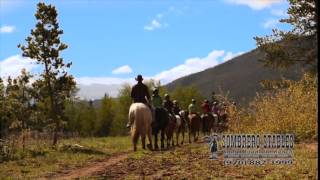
(241, 77)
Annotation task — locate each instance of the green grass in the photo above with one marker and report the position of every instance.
(46, 160)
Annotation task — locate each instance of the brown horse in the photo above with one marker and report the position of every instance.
(194, 126)
(170, 130)
(207, 123)
(140, 117)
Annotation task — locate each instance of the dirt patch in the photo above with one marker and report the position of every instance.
(191, 161)
(312, 146)
(96, 167)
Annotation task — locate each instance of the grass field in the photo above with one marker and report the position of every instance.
(47, 161)
(187, 162)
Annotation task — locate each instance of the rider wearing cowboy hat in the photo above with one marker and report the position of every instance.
(140, 92)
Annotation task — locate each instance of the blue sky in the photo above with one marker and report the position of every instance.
(110, 42)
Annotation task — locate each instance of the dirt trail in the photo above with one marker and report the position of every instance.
(174, 163)
(312, 146)
(95, 167)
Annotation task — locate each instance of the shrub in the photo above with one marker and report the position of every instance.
(289, 109)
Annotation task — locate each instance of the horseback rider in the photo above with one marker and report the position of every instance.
(140, 93)
(213, 99)
(156, 99)
(206, 107)
(168, 104)
(176, 108)
(215, 110)
(192, 107)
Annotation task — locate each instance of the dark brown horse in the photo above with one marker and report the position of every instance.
(159, 126)
(207, 123)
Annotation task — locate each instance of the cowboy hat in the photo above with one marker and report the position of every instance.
(139, 78)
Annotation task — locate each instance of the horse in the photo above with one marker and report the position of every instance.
(159, 125)
(140, 117)
(182, 127)
(194, 126)
(171, 127)
(207, 123)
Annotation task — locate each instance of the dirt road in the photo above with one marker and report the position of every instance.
(191, 162)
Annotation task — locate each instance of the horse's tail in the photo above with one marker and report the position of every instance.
(178, 121)
(132, 113)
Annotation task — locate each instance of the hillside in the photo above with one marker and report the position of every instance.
(240, 76)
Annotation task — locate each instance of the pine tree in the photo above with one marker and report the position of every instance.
(297, 46)
(105, 116)
(3, 119)
(122, 110)
(55, 84)
(19, 96)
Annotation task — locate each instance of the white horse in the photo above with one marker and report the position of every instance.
(140, 117)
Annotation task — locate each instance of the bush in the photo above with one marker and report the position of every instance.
(290, 109)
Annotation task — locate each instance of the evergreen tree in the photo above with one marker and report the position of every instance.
(122, 110)
(55, 84)
(3, 119)
(105, 116)
(19, 96)
(297, 46)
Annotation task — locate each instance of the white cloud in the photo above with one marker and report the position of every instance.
(194, 65)
(255, 4)
(154, 24)
(13, 65)
(7, 29)
(126, 69)
(159, 20)
(190, 66)
(103, 80)
(270, 23)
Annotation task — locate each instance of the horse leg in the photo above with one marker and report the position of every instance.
(177, 136)
(143, 141)
(194, 136)
(172, 138)
(189, 134)
(168, 140)
(149, 146)
(135, 140)
(182, 135)
(156, 140)
(162, 139)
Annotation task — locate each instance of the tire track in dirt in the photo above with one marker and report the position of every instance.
(96, 167)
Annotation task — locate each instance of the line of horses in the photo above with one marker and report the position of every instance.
(167, 125)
